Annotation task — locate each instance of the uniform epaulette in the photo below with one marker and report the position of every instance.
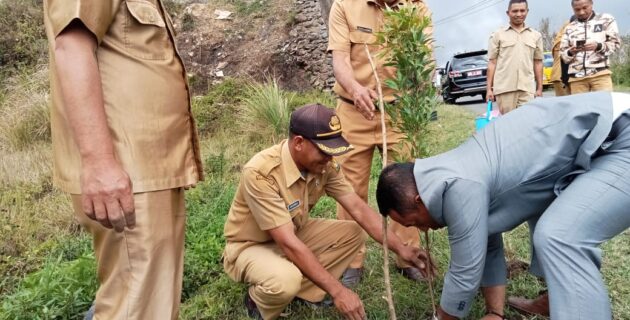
(268, 165)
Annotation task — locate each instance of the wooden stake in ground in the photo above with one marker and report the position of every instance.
(381, 108)
(429, 267)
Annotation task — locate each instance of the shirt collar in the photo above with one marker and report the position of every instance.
(509, 26)
(290, 169)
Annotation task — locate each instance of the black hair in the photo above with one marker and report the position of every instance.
(517, 1)
(396, 189)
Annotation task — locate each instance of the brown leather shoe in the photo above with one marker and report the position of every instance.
(252, 309)
(411, 273)
(538, 306)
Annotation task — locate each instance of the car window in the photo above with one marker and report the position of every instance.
(470, 62)
(548, 60)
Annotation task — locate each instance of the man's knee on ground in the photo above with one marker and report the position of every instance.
(283, 287)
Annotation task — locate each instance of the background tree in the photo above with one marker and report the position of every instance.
(544, 27)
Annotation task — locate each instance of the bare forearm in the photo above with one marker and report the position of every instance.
(343, 72)
(306, 261)
(81, 89)
(490, 77)
(538, 73)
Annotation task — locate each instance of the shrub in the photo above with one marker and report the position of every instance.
(217, 109)
(267, 110)
(22, 36)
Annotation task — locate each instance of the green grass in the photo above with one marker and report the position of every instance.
(47, 266)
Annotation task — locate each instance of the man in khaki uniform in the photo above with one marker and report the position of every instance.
(352, 24)
(125, 146)
(557, 77)
(274, 246)
(587, 43)
(515, 65)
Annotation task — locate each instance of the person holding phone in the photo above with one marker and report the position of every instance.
(586, 46)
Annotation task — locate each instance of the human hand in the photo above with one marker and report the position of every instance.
(349, 304)
(539, 92)
(106, 193)
(420, 259)
(490, 95)
(590, 45)
(363, 98)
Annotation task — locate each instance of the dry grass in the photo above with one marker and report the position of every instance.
(24, 110)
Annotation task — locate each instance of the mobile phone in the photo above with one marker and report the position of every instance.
(580, 43)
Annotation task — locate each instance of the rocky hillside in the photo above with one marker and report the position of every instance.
(285, 39)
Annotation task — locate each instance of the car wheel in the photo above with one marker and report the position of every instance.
(450, 100)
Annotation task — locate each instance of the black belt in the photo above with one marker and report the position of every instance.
(348, 101)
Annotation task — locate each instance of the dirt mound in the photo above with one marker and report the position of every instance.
(248, 43)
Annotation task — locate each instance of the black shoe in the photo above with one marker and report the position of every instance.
(411, 273)
(326, 303)
(90, 313)
(252, 309)
(351, 277)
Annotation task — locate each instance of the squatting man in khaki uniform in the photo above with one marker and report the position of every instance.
(515, 67)
(275, 247)
(352, 25)
(125, 147)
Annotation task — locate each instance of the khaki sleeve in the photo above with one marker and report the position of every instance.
(263, 199)
(493, 46)
(338, 29)
(539, 52)
(95, 15)
(426, 12)
(336, 184)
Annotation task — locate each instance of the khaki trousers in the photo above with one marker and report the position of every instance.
(590, 84)
(140, 270)
(509, 101)
(561, 89)
(274, 281)
(366, 137)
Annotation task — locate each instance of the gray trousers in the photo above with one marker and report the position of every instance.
(594, 208)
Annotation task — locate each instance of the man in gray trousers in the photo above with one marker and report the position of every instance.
(563, 164)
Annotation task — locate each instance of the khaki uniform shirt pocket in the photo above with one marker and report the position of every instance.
(357, 41)
(144, 32)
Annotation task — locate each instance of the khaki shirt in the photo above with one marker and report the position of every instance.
(353, 23)
(515, 53)
(556, 69)
(272, 193)
(145, 94)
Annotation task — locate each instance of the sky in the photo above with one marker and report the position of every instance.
(465, 25)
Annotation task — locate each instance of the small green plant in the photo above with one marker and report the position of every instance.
(60, 290)
(267, 109)
(218, 107)
(408, 48)
(188, 22)
(250, 7)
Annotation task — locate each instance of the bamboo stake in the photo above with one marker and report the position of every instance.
(430, 274)
(381, 108)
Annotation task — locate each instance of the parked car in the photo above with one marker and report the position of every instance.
(547, 66)
(465, 75)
